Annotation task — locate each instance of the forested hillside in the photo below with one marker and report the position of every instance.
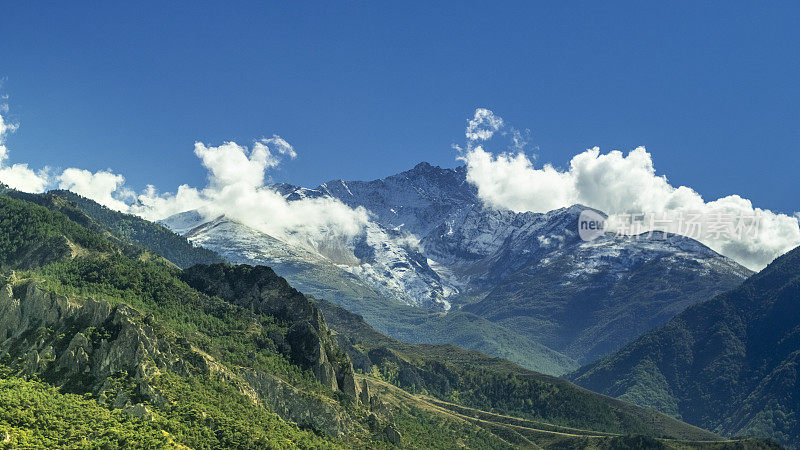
(147, 234)
(728, 364)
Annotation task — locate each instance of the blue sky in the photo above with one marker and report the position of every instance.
(365, 89)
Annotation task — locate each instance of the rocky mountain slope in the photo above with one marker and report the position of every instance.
(587, 299)
(233, 357)
(526, 279)
(729, 364)
(316, 275)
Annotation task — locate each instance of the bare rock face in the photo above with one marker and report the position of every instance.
(75, 359)
(308, 351)
(365, 396)
(349, 386)
(77, 345)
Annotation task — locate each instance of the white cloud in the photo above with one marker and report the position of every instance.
(622, 184)
(103, 186)
(154, 206)
(5, 127)
(230, 163)
(280, 145)
(22, 178)
(18, 176)
(236, 188)
(483, 125)
(510, 181)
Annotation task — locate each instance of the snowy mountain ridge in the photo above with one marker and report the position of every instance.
(431, 238)
(387, 261)
(431, 243)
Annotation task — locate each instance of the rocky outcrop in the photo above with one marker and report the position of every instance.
(259, 289)
(307, 410)
(365, 397)
(78, 346)
(88, 345)
(308, 350)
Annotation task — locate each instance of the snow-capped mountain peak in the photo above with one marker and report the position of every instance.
(430, 242)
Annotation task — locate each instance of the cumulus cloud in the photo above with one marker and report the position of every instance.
(237, 188)
(103, 186)
(153, 205)
(230, 163)
(625, 186)
(18, 176)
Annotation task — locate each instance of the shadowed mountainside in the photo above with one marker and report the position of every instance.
(729, 364)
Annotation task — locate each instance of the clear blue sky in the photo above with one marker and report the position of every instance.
(366, 89)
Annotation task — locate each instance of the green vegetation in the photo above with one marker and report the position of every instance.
(479, 381)
(210, 413)
(430, 431)
(34, 414)
(469, 331)
(414, 324)
(198, 410)
(230, 334)
(152, 236)
(147, 355)
(28, 228)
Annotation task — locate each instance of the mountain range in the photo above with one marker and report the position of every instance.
(435, 265)
(106, 343)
